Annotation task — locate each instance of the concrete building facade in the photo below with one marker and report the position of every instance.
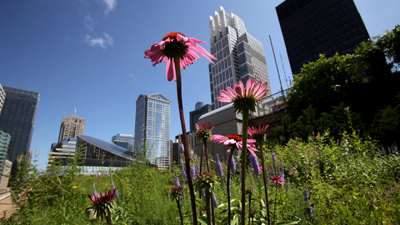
(239, 55)
(71, 127)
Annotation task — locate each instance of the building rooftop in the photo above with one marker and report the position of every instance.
(107, 146)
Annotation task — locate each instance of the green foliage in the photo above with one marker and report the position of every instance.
(366, 81)
(348, 181)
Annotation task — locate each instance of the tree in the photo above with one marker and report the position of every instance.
(365, 83)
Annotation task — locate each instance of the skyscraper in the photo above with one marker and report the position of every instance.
(71, 127)
(239, 55)
(17, 119)
(152, 127)
(200, 109)
(314, 27)
(124, 140)
(2, 97)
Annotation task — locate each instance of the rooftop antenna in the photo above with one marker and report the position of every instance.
(283, 68)
(276, 64)
(75, 112)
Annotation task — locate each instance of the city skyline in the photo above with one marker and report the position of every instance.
(90, 56)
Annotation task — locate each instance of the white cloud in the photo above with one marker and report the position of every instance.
(89, 22)
(110, 5)
(100, 41)
(132, 76)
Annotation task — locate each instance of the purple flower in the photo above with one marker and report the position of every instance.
(255, 164)
(202, 192)
(181, 147)
(183, 171)
(233, 165)
(116, 192)
(214, 200)
(176, 182)
(219, 167)
(306, 196)
(192, 170)
(184, 174)
(198, 168)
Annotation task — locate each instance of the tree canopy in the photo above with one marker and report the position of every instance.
(362, 87)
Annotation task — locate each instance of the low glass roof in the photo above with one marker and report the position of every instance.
(107, 146)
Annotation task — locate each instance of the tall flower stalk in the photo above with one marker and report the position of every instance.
(179, 51)
(277, 181)
(259, 135)
(204, 134)
(206, 181)
(244, 100)
(177, 195)
(234, 142)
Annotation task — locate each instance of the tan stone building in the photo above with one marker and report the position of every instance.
(71, 127)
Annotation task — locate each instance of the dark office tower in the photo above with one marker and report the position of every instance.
(71, 127)
(200, 109)
(314, 27)
(17, 119)
(240, 56)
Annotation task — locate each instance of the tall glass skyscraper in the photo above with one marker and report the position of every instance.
(124, 140)
(239, 55)
(314, 27)
(17, 119)
(152, 127)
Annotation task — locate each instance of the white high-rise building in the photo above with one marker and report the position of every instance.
(239, 55)
(2, 97)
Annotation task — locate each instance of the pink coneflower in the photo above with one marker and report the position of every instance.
(244, 98)
(258, 133)
(176, 45)
(103, 198)
(277, 180)
(203, 131)
(235, 140)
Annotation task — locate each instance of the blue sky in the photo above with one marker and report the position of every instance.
(89, 55)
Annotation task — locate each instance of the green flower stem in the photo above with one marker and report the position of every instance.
(180, 212)
(184, 139)
(206, 150)
(276, 192)
(208, 207)
(244, 150)
(227, 184)
(108, 219)
(264, 179)
(249, 207)
(201, 168)
(205, 147)
(212, 209)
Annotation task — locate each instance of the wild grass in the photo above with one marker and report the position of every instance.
(347, 180)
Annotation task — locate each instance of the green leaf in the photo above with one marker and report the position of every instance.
(288, 223)
(202, 219)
